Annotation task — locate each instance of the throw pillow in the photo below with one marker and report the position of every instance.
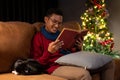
(88, 60)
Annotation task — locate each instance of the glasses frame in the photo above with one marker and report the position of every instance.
(55, 22)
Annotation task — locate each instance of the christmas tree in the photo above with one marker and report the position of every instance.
(98, 39)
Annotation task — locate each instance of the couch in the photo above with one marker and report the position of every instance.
(15, 43)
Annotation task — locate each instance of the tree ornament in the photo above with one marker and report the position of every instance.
(105, 14)
(90, 11)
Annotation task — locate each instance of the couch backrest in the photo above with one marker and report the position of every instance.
(15, 41)
(71, 24)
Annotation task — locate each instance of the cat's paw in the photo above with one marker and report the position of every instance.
(14, 72)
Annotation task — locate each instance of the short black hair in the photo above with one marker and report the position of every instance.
(54, 11)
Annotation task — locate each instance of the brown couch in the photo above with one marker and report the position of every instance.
(15, 43)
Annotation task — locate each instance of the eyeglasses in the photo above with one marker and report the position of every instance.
(55, 22)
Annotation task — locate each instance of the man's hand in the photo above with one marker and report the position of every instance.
(79, 43)
(55, 46)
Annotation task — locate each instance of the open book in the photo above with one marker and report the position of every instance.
(69, 36)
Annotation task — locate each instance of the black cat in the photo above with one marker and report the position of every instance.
(27, 67)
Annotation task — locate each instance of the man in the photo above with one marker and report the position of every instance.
(46, 49)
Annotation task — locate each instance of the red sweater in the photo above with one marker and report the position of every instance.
(41, 54)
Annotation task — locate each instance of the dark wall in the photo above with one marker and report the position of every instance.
(72, 9)
(25, 10)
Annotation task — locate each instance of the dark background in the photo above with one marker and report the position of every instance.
(25, 10)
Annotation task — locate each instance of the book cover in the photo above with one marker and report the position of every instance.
(69, 36)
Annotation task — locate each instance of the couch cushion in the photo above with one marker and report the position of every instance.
(15, 41)
(11, 76)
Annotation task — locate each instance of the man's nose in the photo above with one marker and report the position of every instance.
(56, 25)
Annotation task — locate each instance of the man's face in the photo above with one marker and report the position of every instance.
(53, 23)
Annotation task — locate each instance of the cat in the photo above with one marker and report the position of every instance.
(27, 67)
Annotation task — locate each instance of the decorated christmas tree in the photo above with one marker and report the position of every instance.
(98, 39)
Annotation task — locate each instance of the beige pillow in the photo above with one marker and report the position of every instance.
(15, 42)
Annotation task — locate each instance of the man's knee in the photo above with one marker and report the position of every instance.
(85, 75)
(72, 73)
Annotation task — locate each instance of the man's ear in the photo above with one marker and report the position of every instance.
(45, 19)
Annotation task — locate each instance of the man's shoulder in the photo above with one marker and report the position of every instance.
(38, 34)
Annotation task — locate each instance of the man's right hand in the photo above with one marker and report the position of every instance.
(55, 46)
